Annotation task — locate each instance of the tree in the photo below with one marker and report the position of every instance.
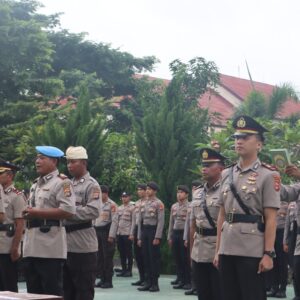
(257, 105)
(171, 124)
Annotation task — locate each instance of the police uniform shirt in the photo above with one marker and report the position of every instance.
(178, 217)
(281, 214)
(258, 187)
(50, 191)
(122, 222)
(291, 217)
(107, 211)
(14, 204)
(152, 213)
(2, 197)
(136, 214)
(88, 201)
(204, 247)
(290, 193)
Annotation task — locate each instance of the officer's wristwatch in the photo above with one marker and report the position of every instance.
(272, 254)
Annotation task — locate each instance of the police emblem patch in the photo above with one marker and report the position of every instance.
(241, 123)
(67, 189)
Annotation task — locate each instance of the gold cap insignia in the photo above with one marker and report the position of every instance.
(241, 123)
(204, 154)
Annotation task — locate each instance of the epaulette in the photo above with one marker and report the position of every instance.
(232, 165)
(270, 167)
(16, 191)
(62, 176)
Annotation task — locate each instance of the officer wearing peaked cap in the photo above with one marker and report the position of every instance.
(51, 200)
(204, 213)
(11, 230)
(81, 265)
(178, 215)
(150, 230)
(249, 200)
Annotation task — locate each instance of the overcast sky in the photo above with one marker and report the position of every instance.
(264, 32)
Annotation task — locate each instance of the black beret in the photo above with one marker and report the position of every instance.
(183, 188)
(104, 189)
(153, 185)
(126, 194)
(196, 183)
(142, 186)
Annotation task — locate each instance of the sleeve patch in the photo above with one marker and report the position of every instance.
(67, 189)
(161, 206)
(96, 193)
(277, 182)
(113, 208)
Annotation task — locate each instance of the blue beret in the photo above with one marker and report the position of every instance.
(49, 151)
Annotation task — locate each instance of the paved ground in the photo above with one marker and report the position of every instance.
(123, 290)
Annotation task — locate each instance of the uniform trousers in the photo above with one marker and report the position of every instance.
(8, 274)
(106, 252)
(138, 255)
(79, 276)
(297, 275)
(181, 256)
(239, 278)
(207, 281)
(279, 273)
(151, 254)
(125, 248)
(44, 275)
(292, 237)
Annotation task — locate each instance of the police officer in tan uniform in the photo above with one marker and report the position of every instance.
(204, 214)
(81, 265)
(197, 187)
(290, 237)
(279, 274)
(122, 227)
(178, 215)
(106, 249)
(138, 255)
(11, 230)
(150, 231)
(249, 199)
(51, 200)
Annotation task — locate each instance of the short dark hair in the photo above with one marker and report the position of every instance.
(104, 189)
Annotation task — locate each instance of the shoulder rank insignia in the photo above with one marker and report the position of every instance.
(62, 176)
(16, 191)
(270, 167)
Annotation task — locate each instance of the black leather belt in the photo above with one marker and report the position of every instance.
(75, 227)
(6, 227)
(35, 223)
(104, 227)
(206, 231)
(241, 218)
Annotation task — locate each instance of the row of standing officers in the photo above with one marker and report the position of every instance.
(231, 225)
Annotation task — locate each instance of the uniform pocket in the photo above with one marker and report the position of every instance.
(249, 228)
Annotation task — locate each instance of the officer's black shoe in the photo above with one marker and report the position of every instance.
(154, 288)
(271, 293)
(189, 292)
(98, 284)
(118, 270)
(121, 274)
(178, 286)
(145, 287)
(107, 285)
(187, 286)
(176, 281)
(195, 292)
(139, 282)
(127, 274)
(280, 294)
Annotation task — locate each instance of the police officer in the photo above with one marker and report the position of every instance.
(279, 274)
(11, 231)
(290, 237)
(81, 266)
(150, 230)
(178, 215)
(249, 201)
(292, 192)
(122, 226)
(138, 255)
(106, 249)
(51, 200)
(204, 213)
(197, 187)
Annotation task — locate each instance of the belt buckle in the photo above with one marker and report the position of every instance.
(230, 217)
(201, 230)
